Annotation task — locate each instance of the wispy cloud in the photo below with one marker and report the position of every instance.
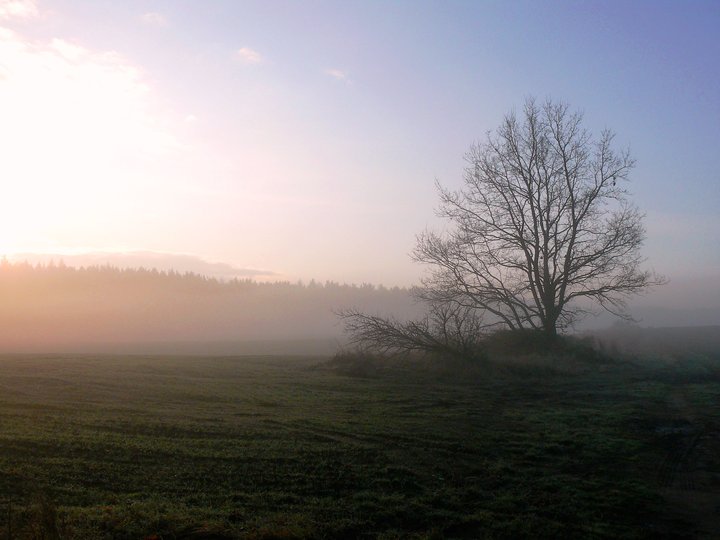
(338, 75)
(90, 114)
(153, 18)
(249, 56)
(20, 9)
(179, 262)
(93, 92)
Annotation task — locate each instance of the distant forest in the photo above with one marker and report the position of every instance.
(54, 307)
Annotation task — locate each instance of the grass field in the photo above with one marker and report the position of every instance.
(269, 447)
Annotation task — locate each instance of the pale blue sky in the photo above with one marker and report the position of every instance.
(305, 137)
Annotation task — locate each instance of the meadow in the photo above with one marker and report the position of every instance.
(291, 447)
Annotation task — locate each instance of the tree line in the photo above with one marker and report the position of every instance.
(57, 307)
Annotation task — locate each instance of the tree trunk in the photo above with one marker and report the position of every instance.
(550, 330)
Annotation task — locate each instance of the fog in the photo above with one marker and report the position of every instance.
(58, 308)
(104, 309)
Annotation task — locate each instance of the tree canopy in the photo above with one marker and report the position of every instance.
(542, 230)
(543, 221)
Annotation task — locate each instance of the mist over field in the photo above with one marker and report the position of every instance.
(359, 270)
(58, 308)
(53, 307)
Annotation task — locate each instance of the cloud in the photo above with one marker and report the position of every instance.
(249, 56)
(338, 75)
(92, 93)
(82, 131)
(179, 262)
(20, 9)
(152, 18)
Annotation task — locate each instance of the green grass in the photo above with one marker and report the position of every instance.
(267, 447)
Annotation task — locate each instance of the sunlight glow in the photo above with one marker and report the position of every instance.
(76, 128)
(307, 141)
(22, 9)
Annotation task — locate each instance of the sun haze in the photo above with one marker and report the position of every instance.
(303, 140)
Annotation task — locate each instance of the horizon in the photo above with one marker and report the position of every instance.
(102, 309)
(51, 306)
(241, 139)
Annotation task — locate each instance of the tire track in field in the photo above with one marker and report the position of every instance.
(686, 476)
(375, 440)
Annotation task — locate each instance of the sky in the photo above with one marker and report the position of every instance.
(304, 139)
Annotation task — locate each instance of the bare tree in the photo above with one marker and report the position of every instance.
(542, 224)
(448, 328)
